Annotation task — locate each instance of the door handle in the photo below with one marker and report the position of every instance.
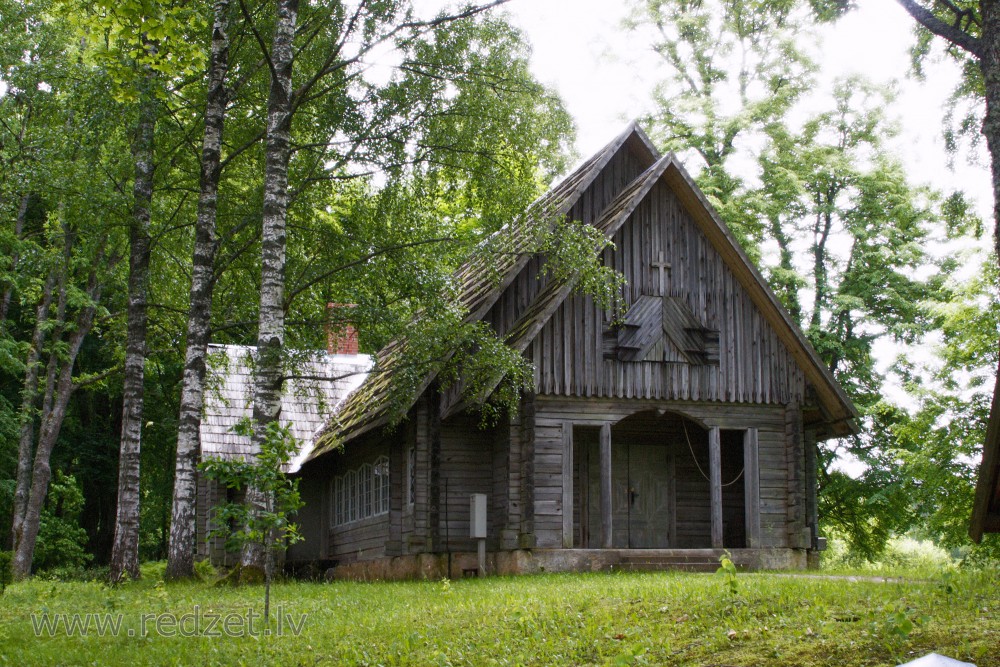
(632, 495)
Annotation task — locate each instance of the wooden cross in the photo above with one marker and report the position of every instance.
(662, 266)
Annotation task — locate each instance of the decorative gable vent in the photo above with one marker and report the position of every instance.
(652, 324)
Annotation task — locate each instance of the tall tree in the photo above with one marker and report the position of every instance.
(180, 561)
(125, 553)
(836, 194)
(847, 227)
(271, 318)
(69, 251)
(409, 129)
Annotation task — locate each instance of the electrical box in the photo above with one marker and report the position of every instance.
(477, 516)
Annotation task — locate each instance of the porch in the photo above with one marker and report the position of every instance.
(659, 480)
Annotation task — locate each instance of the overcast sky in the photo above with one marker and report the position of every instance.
(605, 77)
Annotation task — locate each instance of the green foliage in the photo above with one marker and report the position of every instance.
(728, 570)
(61, 540)
(242, 523)
(128, 37)
(901, 555)
(896, 625)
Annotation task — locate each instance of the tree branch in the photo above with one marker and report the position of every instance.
(927, 19)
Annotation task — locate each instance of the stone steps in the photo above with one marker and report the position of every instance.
(684, 561)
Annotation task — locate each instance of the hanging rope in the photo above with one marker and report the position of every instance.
(698, 465)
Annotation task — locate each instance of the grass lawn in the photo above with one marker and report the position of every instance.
(618, 619)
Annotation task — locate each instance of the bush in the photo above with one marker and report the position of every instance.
(61, 540)
(901, 554)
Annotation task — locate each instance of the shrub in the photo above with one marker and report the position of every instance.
(61, 540)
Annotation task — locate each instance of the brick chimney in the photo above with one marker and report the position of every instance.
(341, 335)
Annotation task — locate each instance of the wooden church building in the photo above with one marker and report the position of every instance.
(687, 426)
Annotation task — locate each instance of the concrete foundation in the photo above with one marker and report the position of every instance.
(535, 561)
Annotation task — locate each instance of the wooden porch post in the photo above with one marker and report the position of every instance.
(606, 485)
(751, 477)
(715, 474)
(672, 498)
(567, 485)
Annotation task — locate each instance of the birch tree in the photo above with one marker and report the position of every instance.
(141, 45)
(451, 73)
(180, 562)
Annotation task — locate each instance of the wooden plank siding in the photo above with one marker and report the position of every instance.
(754, 365)
(367, 538)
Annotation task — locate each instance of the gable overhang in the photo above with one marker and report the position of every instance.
(836, 415)
(986, 506)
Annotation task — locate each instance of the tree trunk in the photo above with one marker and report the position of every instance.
(29, 398)
(53, 413)
(125, 551)
(51, 328)
(787, 286)
(271, 319)
(180, 558)
(989, 65)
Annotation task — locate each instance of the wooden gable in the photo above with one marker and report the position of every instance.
(724, 337)
(714, 344)
(700, 323)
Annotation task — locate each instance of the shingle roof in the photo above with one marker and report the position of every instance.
(480, 281)
(306, 404)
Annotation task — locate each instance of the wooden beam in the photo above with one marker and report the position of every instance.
(812, 502)
(567, 485)
(672, 498)
(606, 528)
(434, 455)
(526, 539)
(715, 467)
(751, 476)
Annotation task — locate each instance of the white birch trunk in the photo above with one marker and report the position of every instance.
(271, 319)
(183, 531)
(125, 550)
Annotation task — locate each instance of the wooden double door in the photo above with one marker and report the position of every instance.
(643, 505)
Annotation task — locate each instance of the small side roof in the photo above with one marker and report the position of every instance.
(306, 403)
